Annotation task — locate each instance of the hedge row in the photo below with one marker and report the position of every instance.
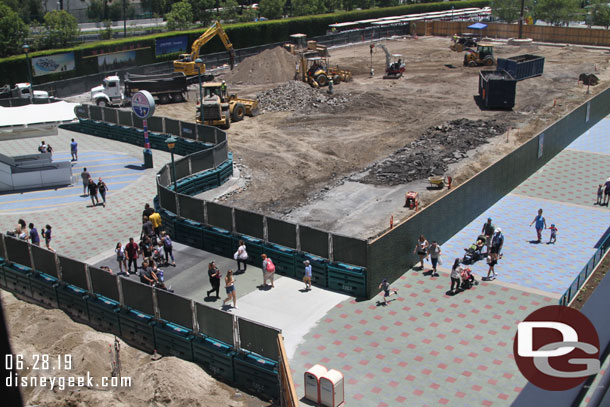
(242, 35)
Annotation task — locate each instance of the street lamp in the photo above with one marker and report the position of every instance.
(26, 49)
(171, 143)
(199, 62)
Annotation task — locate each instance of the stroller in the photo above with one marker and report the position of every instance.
(473, 252)
(468, 279)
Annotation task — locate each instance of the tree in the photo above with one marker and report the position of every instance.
(28, 10)
(13, 32)
(95, 10)
(247, 14)
(62, 27)
(272, 9)
(201, 10)
(556, 12)
(600, 13)
(308, 7)
(506, 10)
(181, 15)
(229, 9)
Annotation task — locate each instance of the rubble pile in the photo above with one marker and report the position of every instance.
(433, 151)
(298, 96)
(275, 65)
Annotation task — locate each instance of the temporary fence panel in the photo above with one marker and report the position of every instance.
(188, 130)
(282, 233)
(249, 223)
(314, 241)
(18, 251)
(95, 113)
(125, 118)
(110, 115)
(349, 250)
(215, 323)
(82, 111)
(164, 177)
(172, 127)
(104, 283)
(220, 153)
(220, 215)
(73, 272)
(155, 124)
(258, 338)
(191, 208)
(182, 168)
(206, 134)
(174, 308)
(137, 296)
(201, 161)
(167, 199)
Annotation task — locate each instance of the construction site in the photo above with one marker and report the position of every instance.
(338, 153)
(325, 160)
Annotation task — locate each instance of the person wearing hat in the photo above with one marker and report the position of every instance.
(307, 277)
(488, 232)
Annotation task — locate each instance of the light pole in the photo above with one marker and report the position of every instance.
(124, 21)
(198, 62)
(26, 49)
(171, 143)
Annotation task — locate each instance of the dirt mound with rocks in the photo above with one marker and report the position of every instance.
(274, 65)
(296, 96)
(433, 151)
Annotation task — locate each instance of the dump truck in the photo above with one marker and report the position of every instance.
(221, 108)
(165, 88)
(186, 62)
(22, 91)
(317, 71)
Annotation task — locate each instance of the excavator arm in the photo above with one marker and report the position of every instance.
(388, 56)
(215, 29)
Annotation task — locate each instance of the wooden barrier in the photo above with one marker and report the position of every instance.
(570, 35)
(288, 394)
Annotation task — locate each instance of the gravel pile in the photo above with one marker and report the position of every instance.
(274, 65)
(433, 151)
(298, 96)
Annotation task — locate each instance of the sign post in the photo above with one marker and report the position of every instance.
(143, 106)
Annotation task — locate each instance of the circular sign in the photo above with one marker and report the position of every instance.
(143, 104)
(556, 348)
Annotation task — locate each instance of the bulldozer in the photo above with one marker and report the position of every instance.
(484, 55)
(221, 108)
(186, 62)
(316, 71)
(394, 65)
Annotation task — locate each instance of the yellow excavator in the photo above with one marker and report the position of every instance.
(186, 62)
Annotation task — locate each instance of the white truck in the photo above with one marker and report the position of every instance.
(22, 91)
(165, 88)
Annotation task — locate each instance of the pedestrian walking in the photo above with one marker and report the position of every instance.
(85, 178)
(133, 252)
(34, 236)
(214, 275)
(553, 237)
(168, 248)
(600, 194)
(497, 241)
(491, 272)
(268, 270)
(540, 225)
(385, 287)
(488, 232)
(307, 276)
(120, 256)
(456, 272)
(241, 255)
(606, 192)
(93, 192)
(155, 219)
(230, 289)
(147, 228)
(147, 210)
(74, 150)
(102, 187)
(434, 253)
(47, 237)
(421, 249)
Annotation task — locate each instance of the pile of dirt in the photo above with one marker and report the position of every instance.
(433, 151)
(297, 96)
(168, 381)
(274, 65)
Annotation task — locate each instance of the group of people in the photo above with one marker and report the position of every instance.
(21, 232)
(540, 225)
(91, 188)
(431, 252)
(603, 193)
(45, 148)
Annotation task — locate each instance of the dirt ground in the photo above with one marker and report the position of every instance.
(153, 383)
(294, 156)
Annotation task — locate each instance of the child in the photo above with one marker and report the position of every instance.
(307, 277)
(600, 192)
(385, 286)
(47, 237)
(553, 238)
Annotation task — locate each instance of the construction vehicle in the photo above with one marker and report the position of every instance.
(461, 42)
(301, 45)
(186, 62)
(221, 108)
(484, 55)
(394, 66)
(164, 87)
(317, 72)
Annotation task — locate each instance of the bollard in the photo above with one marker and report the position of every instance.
(392, 222)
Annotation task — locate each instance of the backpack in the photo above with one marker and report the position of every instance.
(270, 266)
